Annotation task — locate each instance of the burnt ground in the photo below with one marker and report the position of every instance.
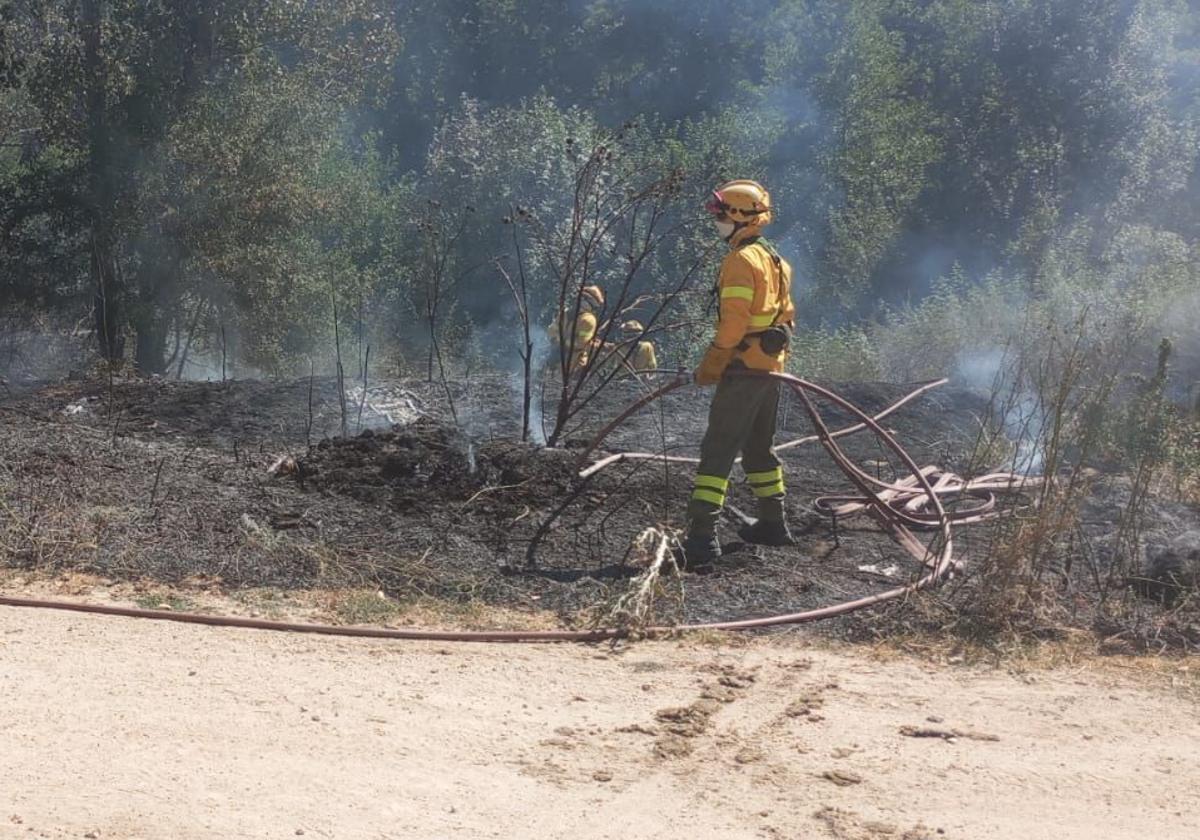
(170, 481)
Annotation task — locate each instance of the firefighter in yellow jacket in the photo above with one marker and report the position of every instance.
(753, 331)
(643, 357)
(583, 335)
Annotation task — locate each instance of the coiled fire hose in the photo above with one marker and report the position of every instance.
(920, 507)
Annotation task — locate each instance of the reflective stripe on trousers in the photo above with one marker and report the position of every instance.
(741, 421)
(710, 489)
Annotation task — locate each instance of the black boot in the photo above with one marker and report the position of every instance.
(698, 550)
(766, 532)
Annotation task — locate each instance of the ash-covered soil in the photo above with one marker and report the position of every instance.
(173, 481)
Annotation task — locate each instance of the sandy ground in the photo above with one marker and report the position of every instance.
(116, 728)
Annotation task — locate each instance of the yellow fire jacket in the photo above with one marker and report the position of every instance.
(755, 290)
(585, 334)
(644, 357)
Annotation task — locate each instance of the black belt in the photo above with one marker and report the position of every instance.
(743, 346)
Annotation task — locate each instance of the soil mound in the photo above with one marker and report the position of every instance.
(422, 466)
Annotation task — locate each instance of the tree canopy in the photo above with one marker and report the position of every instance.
(176, 169)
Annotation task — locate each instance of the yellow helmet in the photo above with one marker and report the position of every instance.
(632, 328)
(742, 202)
(593, 295)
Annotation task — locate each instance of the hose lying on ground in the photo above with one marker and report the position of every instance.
(906, 497)
(914, 502)
(683, 459)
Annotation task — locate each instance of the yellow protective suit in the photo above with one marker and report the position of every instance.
(584, 336)
(644, 357)
(754, 287)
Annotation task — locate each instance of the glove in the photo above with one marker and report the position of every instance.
(713, 365)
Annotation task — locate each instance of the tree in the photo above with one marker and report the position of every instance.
(116, 82)
(622, 215)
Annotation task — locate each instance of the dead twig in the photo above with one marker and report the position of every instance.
(157, 478)
(634, 610)
(520, 297)
(309, 424)
(496, 489)
(363, 401)
(341, 374)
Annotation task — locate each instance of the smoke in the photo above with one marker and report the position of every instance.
(28, 356)
(1181, 326)
(978, 369)
(1017, 410)
(204, 367)
(499, 343)
(542, 358)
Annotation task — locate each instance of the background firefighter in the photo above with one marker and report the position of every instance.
(581, 335)
(644, 357)
(753, 330)
(630, 355)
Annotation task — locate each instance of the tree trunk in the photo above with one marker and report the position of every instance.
(107, 311)
(560, 421)
(106, 279)
(150, 354)
(527, 396)
(432, 350)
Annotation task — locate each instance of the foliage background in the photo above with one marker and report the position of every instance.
(948, 173)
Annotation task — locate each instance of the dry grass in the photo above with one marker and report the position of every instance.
(1013, 589)
(635, 608)
(373, 607)
(1067, 392)
(364, 607)
(1077, 650)
(172, 602)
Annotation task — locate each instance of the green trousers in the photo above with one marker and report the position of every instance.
(741, 420)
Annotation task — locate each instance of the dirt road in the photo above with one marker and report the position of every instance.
(115, 728)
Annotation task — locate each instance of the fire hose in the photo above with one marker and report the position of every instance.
(912, 503)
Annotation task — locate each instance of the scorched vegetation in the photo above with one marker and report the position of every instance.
(291, 295)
